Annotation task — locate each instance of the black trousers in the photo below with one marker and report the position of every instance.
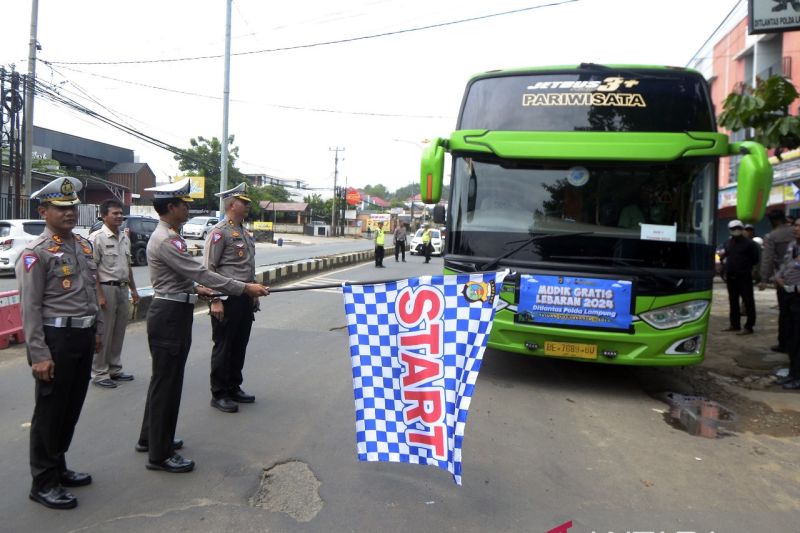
(793, 306)
(784, 320)
(399, 247)
(379, 251)
(230, 336)
(169, 334)
(428, 248)
(741, 285)
(59, 402)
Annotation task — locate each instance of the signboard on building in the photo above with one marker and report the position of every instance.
(773, 16)
(266, 226)
(198, 186)
(353, 197)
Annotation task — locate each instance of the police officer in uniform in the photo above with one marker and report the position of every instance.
(169, 323)
(230, 251)
(788, 280)
(63, 324)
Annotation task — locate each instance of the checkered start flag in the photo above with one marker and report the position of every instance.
(416, 347)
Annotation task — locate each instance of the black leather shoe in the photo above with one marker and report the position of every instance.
(174, 465)
(778, 348)
(54, 498)
(69, 478)
(105, 383)
(224, 404)
(122, 376)
(143, 446)
(240, 396)
(731, 329)
(792, 385)
(746, 331)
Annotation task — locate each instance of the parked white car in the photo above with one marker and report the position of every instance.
(199, 227)
(436, 241)
(14, 236)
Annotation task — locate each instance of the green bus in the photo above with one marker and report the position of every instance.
(596, 187)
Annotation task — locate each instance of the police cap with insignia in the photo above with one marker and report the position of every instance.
(61, 192)
(179, 189)
(237, 192)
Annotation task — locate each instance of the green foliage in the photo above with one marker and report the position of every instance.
(203, 159)
(321, 209)
(766, 110)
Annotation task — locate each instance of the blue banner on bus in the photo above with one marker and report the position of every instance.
(575, 302)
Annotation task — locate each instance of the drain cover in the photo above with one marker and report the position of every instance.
(290, 488)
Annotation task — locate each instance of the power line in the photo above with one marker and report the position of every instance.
(280, 106)
(730, 13)
(322, 43)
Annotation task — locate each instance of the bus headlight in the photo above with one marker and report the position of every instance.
(675, 315)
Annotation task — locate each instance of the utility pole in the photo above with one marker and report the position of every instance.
(28, 135)
(223, 165)
(335, 176)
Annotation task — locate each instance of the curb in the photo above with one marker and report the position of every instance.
(279, 274)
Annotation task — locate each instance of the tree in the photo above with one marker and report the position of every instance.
(765, 109)
(378, 190)
(320, 209)
(203, 159)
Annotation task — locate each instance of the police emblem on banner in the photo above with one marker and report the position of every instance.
(416, 347)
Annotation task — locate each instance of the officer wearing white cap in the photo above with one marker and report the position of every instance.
(63, 324)
(740, 255)
(169, 323)
(231, 252)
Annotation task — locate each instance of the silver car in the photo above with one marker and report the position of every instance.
(14, 236)
(198, 227)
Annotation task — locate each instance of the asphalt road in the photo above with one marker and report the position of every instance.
(294, 249)
(547, 442)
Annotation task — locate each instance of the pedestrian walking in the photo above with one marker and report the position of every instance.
(380, 238)
(788, 280)
(400, 242)
(63, 328)
(741, 255)
(774, 249)
(112, 254)
(169, 323)
(231, 252)
(427, 247)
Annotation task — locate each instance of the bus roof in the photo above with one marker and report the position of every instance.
(579, 67)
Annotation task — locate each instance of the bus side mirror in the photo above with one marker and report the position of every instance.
(754, 181)
(432, 171)
(438, 214)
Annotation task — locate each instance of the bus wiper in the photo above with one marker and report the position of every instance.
(494, 262)
(628, 262)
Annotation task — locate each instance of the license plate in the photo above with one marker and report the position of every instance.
(570, 349)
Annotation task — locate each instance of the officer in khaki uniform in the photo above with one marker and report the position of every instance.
(231, 252)
(169, 323)
(62, 322)
(112, 254)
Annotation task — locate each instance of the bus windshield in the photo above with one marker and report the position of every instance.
(600, 99)
(649, 215)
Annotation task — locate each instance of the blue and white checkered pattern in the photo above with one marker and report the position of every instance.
(374, 328)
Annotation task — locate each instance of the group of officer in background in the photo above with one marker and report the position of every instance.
(74, 297)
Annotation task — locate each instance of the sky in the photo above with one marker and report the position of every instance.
(378, 98)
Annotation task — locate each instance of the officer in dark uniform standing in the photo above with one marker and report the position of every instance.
(169, 323)
(231, 252)
(63, 324)
(788, 280)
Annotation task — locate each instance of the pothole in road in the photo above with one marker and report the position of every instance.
(290, 488)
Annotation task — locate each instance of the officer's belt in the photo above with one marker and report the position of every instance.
(81, 322)
(792, 288)
(182, 297)
(114, 283)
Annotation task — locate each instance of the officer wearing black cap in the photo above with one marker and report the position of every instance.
(231, 252)
(169, 323)
(63, 323)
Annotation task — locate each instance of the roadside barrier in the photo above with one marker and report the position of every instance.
(10, 319)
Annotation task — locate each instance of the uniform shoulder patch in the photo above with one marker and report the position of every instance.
(179, 244)
(216, 237)
(28, 260)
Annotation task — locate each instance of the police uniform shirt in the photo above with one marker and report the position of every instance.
(172, 269)
(112, 253)
(56, 279)
(231, 252)
(790, 269)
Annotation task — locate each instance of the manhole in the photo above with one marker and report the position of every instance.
(290, 488)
